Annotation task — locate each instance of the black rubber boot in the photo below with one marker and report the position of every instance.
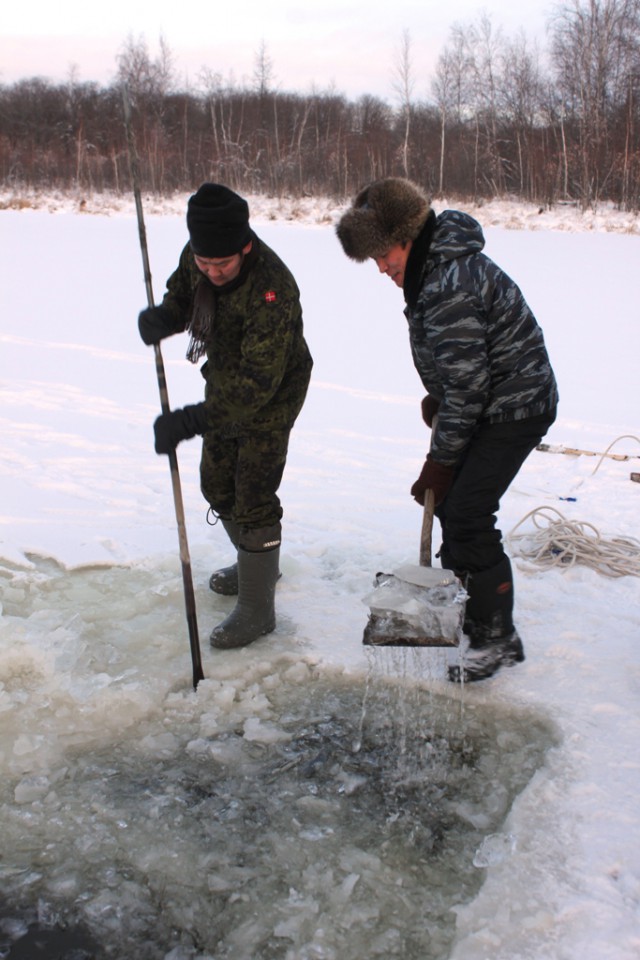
(254, 614)
(225, 580)
(493, 641)
(481, 661)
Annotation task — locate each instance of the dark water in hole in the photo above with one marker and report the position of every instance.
(352, 834)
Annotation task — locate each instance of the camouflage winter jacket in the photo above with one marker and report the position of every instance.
(475, 342)
(258, 364)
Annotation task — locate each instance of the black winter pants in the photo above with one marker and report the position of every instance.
(471, 542)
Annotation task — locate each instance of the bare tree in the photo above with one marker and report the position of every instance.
(263, 74)
(142, 74)
(485, 50)
(211, 84)
(149, 81)
(403, 84)
(521, 105)
(450, 90)
(595, 50)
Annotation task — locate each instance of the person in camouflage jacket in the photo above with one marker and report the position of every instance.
(240, 305)
(481, 356)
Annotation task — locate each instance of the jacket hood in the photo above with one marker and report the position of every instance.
(456, 234)
(446, 237)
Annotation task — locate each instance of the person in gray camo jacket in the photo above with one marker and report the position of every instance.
(241, 306)
(481, 356)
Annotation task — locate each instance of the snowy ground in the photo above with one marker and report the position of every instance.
(92, 640)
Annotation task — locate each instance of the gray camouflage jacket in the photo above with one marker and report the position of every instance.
(475, 342)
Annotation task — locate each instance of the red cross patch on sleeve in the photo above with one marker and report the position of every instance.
(270, 296)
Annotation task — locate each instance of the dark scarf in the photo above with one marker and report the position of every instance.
(205, 300)
(417, 261)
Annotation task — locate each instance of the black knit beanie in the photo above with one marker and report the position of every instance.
(218, 221)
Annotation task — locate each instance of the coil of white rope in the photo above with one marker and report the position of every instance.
(558, 542)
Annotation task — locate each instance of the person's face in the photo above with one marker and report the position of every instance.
(394, 262)
(221, 270)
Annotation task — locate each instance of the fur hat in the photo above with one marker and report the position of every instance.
(385, 213)
(218, 221)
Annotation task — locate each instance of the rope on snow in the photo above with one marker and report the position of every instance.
(558, 542)
(626, 436)
(563, 543)
(577, 452)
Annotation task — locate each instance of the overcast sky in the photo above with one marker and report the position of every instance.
(350, 45)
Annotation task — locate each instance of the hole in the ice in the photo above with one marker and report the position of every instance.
(304, 828)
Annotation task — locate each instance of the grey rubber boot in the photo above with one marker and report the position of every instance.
(225, 580)
(254, 614)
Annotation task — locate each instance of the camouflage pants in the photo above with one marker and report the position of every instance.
(240, 476)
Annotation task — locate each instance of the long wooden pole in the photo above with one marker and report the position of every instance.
(187, 579)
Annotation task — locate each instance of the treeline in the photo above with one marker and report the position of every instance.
(495, 122)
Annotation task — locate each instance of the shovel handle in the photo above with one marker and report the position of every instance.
(427, 527)
(427, 516)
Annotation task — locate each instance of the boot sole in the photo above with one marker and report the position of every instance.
(221, 642)
(456, 674)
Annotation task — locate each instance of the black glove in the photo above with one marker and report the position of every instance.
(434, 476)
(156, 323)
(181, 424)
(430, 407)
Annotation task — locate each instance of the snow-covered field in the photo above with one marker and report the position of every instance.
(313, 210)
(93, 644)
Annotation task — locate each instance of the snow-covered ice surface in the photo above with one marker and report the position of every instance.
(121, 786)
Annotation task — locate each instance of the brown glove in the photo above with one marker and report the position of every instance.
(434, 476)
(430, 407)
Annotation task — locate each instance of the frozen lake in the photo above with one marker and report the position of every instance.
(313, 799)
